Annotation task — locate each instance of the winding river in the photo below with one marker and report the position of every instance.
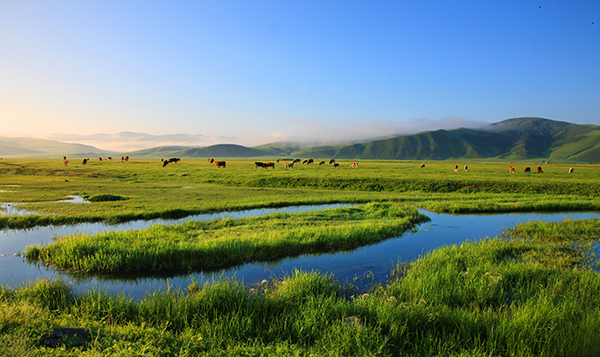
(361, 266)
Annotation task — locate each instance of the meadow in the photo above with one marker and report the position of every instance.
(533, 291)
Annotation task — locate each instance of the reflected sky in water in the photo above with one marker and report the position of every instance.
(361, 266)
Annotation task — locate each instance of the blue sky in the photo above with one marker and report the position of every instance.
(254, 72)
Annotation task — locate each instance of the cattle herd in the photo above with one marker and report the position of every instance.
(290, 165)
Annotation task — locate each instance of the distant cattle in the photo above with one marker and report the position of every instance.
(270, 164)
(65, 162)
(99, 159)
(277, 161)
(173, 159)
(122, 158)
(220, 164)
(85, 161)
(570, 170)
(110, 157)
(527, 170)
(335, 164)
(354, 164)
(290, 165)
(321, 163)
(64, 158)
(295, 161)
(511, 169)
(466, 168)
(455, 168)
(539, 170)
(332, 161)
(258, 164)
(422, 165)
(309, 161)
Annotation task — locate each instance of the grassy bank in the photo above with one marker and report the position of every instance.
(530, 293)
(222, 242)
(146, 190)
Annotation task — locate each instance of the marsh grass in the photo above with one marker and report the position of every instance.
(508, 296)
(222, 242)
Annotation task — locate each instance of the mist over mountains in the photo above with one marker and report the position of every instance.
(515, 139)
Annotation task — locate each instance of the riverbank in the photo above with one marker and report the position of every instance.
(531, 293)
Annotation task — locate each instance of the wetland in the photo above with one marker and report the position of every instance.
(500, 277)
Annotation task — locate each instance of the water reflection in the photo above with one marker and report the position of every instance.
(363, 266)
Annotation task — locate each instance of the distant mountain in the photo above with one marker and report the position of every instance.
(31, 147)
(214, 151)
(513, 139)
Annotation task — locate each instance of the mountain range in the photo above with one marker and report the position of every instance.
(517, 139)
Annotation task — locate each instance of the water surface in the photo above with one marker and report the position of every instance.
(363, 265)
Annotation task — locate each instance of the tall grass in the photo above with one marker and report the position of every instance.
(206, 244)
(511, 296)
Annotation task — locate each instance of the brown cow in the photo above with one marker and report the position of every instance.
(422, 165)
(99, 159)
(570, 170)
(466, 168)
(455, 168)
(354, 164)
(511, 169)
(220, 164)
(290, 165)
(527, 170)
(539, 170)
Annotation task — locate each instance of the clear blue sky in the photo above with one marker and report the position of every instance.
(253, 72)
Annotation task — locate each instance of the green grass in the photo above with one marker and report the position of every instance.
(531, 293)
(194, 186)
(223, 242)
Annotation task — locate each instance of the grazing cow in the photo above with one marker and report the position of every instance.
(270, 164)
(65, 162)
(165, 163)
(321, 163)
(335, 164)
(208, 160)
(220, 164)
(539, 170)
(422, 165)
(110, 157)
(277, 161)
(332, 161)
(354, 164)
(527, 170)
(570, 170)
(455, 168)
(174, 159)
(259, 164)
(99, 159)
(310, 161)
(511, 169)
(64, 158)
(295, 161)
(466, 168)
(85, 161)
(123, 158)
(126, 158)
(287, 164)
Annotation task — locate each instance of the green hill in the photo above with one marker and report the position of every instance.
(40, 148)
(512, 139)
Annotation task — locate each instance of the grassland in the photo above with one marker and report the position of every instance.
(530, 293)
(534, 291)
(148, 190)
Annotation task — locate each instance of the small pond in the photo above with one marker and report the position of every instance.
(363, 265)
